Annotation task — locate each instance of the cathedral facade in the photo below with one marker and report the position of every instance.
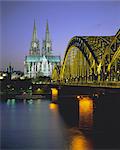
(40, 62)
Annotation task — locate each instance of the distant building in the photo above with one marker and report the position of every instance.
(17, 75)
(3, 75)
(10, 70)
(40, 62)
(11, 74)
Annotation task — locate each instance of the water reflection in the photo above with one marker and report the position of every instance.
(39, 124)
(85, 113)
(78, 141)
(24, 101)
(53, 106)
(78, 114)
(38, 101)
(11, 103)
(39, 128)
(30, 102)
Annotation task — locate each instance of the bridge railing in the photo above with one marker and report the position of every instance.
(93, 84)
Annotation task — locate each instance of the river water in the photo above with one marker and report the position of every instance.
(42, 125)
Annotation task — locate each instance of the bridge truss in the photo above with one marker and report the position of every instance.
(90, 59)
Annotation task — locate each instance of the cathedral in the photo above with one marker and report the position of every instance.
(40, 61)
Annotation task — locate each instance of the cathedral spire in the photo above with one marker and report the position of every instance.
(47, 43)
(47, 27)
(34, 36)
(47, 34)
(34, 47)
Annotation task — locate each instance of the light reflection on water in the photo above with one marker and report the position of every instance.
(34, 124)
(85, 113)
(39, 124)
(53, 107)
(11, 102)
(78, 141)
(43, 125)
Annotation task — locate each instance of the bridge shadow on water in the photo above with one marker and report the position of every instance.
(94, 122)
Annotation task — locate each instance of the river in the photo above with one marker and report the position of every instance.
(42, 125)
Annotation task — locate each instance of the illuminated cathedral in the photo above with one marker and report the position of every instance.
(40, 61)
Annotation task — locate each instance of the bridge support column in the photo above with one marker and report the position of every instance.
(54, 93)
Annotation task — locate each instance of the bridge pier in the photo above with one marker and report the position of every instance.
(87, 113)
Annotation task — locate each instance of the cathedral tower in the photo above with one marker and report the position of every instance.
(34, 48)
(47, 43)
(38, 64)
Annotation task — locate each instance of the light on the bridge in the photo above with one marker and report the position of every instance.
(79, 97)
(96, 95)
(54, 93)
(39, 91)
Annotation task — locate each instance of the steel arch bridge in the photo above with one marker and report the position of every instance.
(90, 60)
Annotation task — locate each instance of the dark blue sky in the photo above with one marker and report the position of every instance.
(66, 19)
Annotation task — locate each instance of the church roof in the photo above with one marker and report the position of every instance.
(52, 59)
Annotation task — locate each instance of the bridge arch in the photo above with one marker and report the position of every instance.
(90, 59)
(113, 69)
(80, 56)
(56, 74)
(110, 54)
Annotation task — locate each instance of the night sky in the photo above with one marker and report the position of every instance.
(66, 19)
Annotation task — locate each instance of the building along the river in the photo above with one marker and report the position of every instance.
(40, 62)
